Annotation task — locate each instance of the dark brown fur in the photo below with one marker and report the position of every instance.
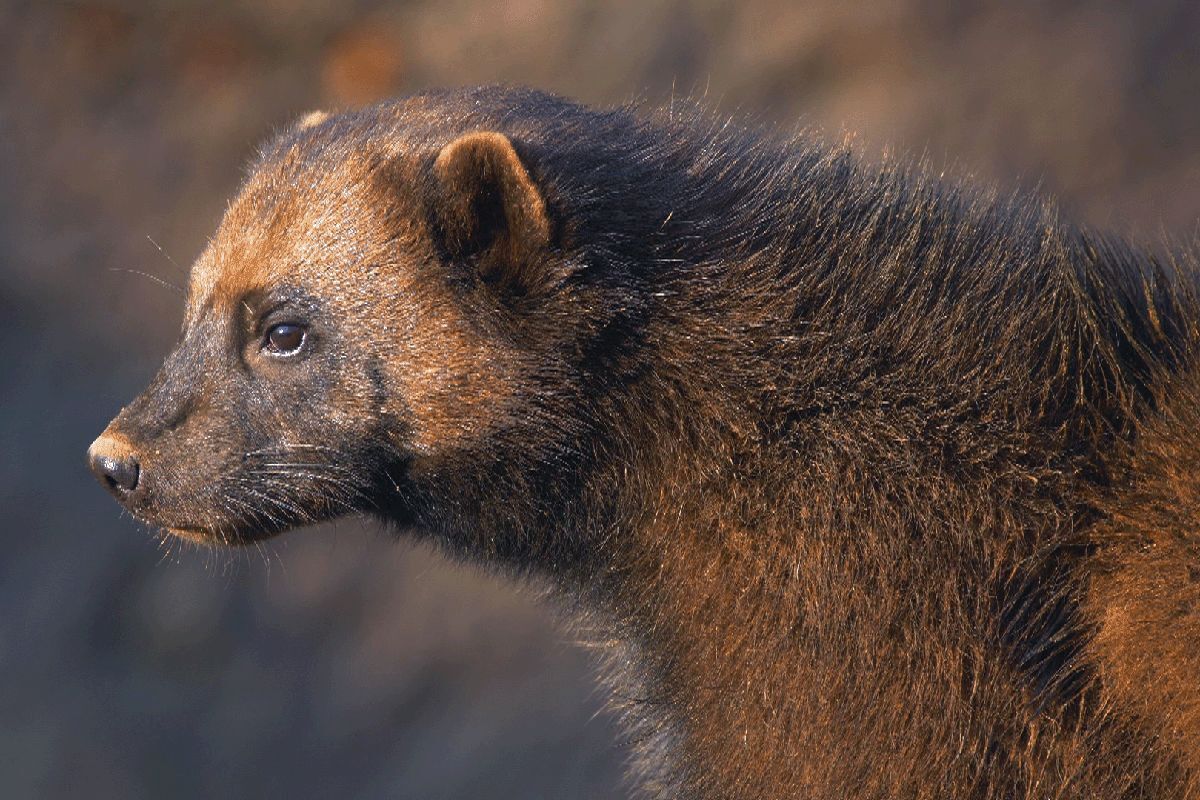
(867, 486)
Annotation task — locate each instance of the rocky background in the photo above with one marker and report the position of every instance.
(336, 661)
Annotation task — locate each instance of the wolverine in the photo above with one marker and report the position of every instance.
(871, 485)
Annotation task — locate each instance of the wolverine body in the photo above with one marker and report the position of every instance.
(872, 486)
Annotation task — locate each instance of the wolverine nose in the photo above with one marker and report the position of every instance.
(115, 466)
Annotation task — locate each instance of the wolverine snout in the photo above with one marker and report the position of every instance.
(115, 465)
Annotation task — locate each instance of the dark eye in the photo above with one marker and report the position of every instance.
(284, 339)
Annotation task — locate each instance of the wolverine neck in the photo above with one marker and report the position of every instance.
(839, 575)
(833, 499)
(821, 612)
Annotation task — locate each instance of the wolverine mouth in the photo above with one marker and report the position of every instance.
(235, 513)
(221, 517)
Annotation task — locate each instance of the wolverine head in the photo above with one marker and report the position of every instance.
(393, 305)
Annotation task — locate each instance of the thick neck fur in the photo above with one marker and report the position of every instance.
(851, 557)
(840, 485)
(855, 507)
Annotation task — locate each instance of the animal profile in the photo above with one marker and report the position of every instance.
(872, 485)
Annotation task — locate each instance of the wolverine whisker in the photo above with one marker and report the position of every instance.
(154, 278)
(165, 254)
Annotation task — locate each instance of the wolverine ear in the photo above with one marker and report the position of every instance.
(490, 211)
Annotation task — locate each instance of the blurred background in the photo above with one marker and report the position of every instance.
(339, 662)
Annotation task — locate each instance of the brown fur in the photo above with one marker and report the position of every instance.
(865, 485)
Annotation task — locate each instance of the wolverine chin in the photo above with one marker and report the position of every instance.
(224, 532)
(194, 535)
(222, 535)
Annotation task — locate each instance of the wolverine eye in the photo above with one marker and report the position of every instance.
(284, 339)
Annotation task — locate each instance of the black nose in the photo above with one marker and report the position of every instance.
(118, 472)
